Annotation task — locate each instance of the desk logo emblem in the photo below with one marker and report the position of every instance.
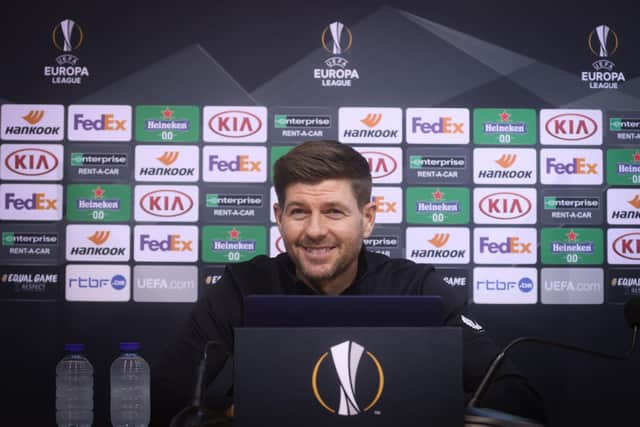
(346, 360)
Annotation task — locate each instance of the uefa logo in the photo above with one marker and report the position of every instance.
(347, 359)
(67, 35)
(336, 38)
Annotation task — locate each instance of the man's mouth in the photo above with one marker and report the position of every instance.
(318, 250)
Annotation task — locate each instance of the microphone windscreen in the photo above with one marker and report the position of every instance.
(632, 311)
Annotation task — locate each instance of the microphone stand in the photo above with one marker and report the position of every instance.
(197, 415)
(487, 417)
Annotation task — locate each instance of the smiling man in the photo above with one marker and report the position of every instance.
(324, 212)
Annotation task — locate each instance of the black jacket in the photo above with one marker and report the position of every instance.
(221, 309)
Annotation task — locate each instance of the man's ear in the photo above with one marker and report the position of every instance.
(277, 212)
(368, 219)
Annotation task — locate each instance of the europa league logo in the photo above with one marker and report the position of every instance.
(346, 359)
(67, 35)
(337, 29)
(607, 41)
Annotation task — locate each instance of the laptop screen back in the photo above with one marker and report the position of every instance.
(343, 310)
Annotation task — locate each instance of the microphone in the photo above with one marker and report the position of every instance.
(632, 316)
(196, 415)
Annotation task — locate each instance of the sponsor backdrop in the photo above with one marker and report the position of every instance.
(136, 156)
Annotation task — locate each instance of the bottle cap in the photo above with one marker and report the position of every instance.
(74, 348)
(129, 346)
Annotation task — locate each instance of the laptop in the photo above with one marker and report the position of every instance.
(342, 310)
(347, 361)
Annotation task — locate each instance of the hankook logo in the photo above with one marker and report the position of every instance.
(346, 360)
(33, 116)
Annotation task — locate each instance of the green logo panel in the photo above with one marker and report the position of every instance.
(233, 243)
(280, 121)
(437, 205)
(571, 246)
(615, 124)
(98, 202)
(623, 167)
(167, 123)
(8, 238)
(504, 126)
(276, 153)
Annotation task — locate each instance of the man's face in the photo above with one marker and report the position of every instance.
(322, 229)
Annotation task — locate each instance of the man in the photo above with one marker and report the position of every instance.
(324, 212)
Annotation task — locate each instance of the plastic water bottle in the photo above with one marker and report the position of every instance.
(74, 389)
(130, 384)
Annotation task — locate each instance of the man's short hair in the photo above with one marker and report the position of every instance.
(314, 161)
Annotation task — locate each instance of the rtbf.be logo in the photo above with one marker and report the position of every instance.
(347, 359)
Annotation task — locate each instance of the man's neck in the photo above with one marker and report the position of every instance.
(332, 287)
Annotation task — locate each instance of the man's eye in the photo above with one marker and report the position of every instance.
(335, 213)
(296, 212)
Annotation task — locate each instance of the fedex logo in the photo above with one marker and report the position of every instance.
(571, 127)
(437, 125)
(512, 245)
(566, 167)
(505, 245)
(443, 125)
(172, 243)
(383, 206)
(99, 122)
(37, 201)
(241, 164)
(106, 122)
(21, 202)
(166, 243)
(234, 164)
(388, 202)
(577, 166)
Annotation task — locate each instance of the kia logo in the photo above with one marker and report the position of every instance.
(31, 161)
(235, 124)
(166, 203)
(380, 164)
(505, 205)
(628, 246)
(571, 127)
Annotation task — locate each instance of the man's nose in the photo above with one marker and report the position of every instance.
(316, 227)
